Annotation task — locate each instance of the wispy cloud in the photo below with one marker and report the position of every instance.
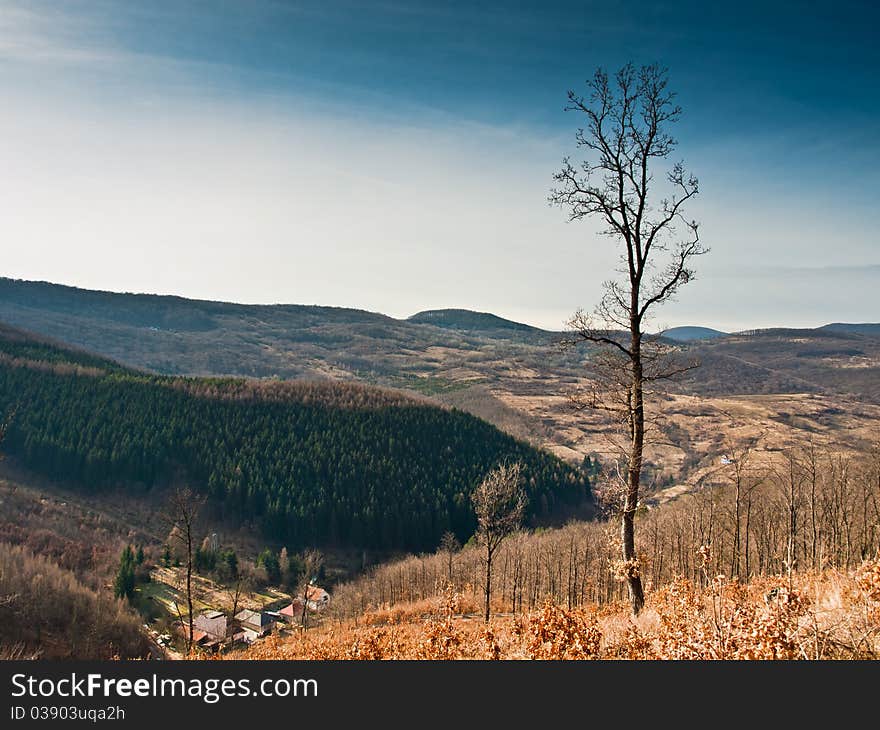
(38, 34)
(370, 157)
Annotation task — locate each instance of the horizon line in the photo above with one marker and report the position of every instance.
(185, 297)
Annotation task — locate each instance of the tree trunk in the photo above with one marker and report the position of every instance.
(488, 581)
(748, 532)
(734, 565)
(189, 600)
(634, 474)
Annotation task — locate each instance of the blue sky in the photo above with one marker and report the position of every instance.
(397, 156)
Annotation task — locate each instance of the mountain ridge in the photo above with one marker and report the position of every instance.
(60, 295)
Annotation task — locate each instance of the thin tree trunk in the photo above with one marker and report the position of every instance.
(634, 473)
(488, 581)
(189, 601)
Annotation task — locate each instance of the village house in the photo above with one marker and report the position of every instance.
(318, 600)
(254, 624)
(210, 630)
(213, 623)
(198, 636)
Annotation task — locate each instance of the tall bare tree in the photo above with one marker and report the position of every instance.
(312, 560)
(183, 510)
(624, 138)
(450, 546)
(499, 503)
(241, 585)
(745, 476)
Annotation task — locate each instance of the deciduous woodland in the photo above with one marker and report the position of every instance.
(783, 566)
(825, 615)
(308, 463)
(46, 612)
(817, 510)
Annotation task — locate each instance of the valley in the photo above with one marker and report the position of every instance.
(772, 384)
(312, 426)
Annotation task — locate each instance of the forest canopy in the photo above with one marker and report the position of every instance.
(310, 463)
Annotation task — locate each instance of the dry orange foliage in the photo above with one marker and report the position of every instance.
(823, 615)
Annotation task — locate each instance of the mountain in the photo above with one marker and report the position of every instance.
(512, 375)
(688, 334)
(469, 321)
(177, 336)
(867, 329)
(309, 462)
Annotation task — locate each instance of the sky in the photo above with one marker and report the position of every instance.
(397, 156)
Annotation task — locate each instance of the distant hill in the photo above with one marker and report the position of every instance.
(310, 463)
(687, 334)
(465, 319)
(160, 311)
(867, 328)
(787, 360)
(469, 359)
(177, 336)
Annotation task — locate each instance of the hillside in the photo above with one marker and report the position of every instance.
(310, 463)
(687, 334)
(789, 361)
(866, 328)
(468, 321)
(434, 352)
(45, 612)
(774, 384)
(827, 615)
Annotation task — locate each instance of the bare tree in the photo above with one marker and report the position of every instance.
(449, 545)
(183, 511)
(312, 560)
(745, 476)
(242, 584)
(499, 503)
(625, 136)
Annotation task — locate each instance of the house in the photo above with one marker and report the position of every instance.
(198, 636)
(289, 613)
(318, 599)
(254, 624)
(213, 623)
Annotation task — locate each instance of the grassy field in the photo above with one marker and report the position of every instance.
(166, 588)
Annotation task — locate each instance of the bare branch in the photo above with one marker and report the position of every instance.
(625, 133)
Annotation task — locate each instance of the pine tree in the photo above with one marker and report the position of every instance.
(124, 583)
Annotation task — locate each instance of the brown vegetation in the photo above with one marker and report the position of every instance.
(46, 612)
(828, 614)
(812, 509)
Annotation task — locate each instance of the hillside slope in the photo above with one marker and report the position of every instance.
(869, 329)
(324, 463)
(778, 382)
(433, 352)
(687, 334)
(47, 613)
(469, 321)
